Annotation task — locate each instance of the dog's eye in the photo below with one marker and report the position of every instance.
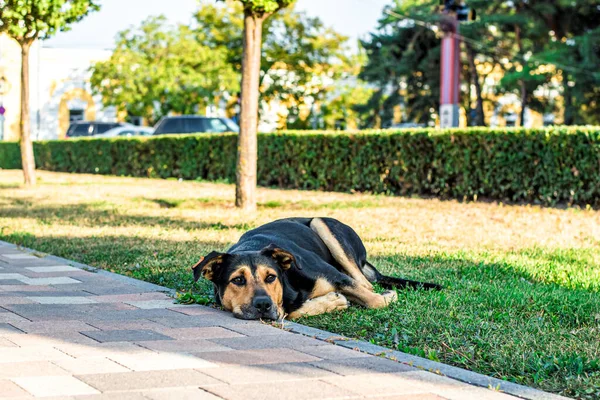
(270, 278)
(240, 281)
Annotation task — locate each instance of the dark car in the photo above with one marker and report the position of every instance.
(194, 124)
(90, 128)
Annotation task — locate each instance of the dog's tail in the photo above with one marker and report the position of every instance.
(389, 282)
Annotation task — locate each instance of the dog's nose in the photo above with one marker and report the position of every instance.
(262, 304)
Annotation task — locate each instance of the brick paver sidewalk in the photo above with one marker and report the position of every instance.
(69, 333)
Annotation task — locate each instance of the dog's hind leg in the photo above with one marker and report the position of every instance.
(320, 305)
(365, 297)
(340, 251)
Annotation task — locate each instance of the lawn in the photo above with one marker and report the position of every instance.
(522, 283)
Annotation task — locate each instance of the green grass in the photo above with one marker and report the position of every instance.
(521, 303)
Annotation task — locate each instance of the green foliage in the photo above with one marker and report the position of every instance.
(301, 57)
(157, 68)
(27, 20)
(261, 7)
(546, 166)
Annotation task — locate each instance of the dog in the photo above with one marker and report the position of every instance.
(297, 267)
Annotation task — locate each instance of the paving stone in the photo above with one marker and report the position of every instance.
(160, 361)
(100, 349)
(14, 300)
(11, 282)
(195, 310)
(20, 256)
(296, 390)
(111, 396)
(125, 336)
(6, 343)
(63, 300)
(421, 396)
(148, 380)
(9, 389)
(210, 332)
(186, 321)
(180, 394)
(255, 357)
(25, 354)
(436, 381)
(54, 386)
(141, 324)
(375, 384)
(11, 276)
(57, 268)
(83, 312)
(118, 298)
(152, 304)
(473, 393)
(10, 318)
(33, 368)
(331, 352)
(49, 281)
(6, 329)
(49, 339)
(41, 327)
(290, 341)
(268, 373)
(258, 329)
(183, 346)
(92, 365)
(355, 366)
(25, 288)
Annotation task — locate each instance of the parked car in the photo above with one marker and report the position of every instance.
(90, 128)
(194, 124)
(126, 131)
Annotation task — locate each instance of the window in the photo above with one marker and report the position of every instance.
(80, 130)
(75, 115)
(172, 125)
(126, 133)
(216, 125)
(101, 128)
(195, 125)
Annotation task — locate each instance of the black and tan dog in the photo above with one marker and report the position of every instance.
(297, 267)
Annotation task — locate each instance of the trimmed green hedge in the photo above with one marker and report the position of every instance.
(547, 166)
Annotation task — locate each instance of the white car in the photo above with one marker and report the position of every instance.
(126, 131)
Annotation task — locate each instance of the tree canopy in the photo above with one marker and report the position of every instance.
(547, 52)
(157, 68)
(27, 20)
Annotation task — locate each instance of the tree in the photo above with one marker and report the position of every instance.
(255, 13)
(156, 69)
(28, 20)
(300, 60)
(404, 64)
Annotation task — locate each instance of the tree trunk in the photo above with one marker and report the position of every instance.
(523, 104)
(522, 81)
(27, 158)
(479, 118)
(245, 189)
(569, 113)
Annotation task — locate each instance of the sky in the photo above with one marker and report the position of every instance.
(353, 18)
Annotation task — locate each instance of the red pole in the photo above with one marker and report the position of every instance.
(450, 74)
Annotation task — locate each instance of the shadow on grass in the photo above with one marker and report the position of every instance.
(90, 215)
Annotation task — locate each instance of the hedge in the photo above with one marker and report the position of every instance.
(547, 166)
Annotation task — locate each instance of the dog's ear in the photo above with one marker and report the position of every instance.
(283, 258)
(208, 264)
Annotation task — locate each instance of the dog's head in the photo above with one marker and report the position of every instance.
(250, 284)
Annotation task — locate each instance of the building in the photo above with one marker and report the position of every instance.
(59, 89)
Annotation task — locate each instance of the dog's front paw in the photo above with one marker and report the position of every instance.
(336, 301)
(390, 296)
